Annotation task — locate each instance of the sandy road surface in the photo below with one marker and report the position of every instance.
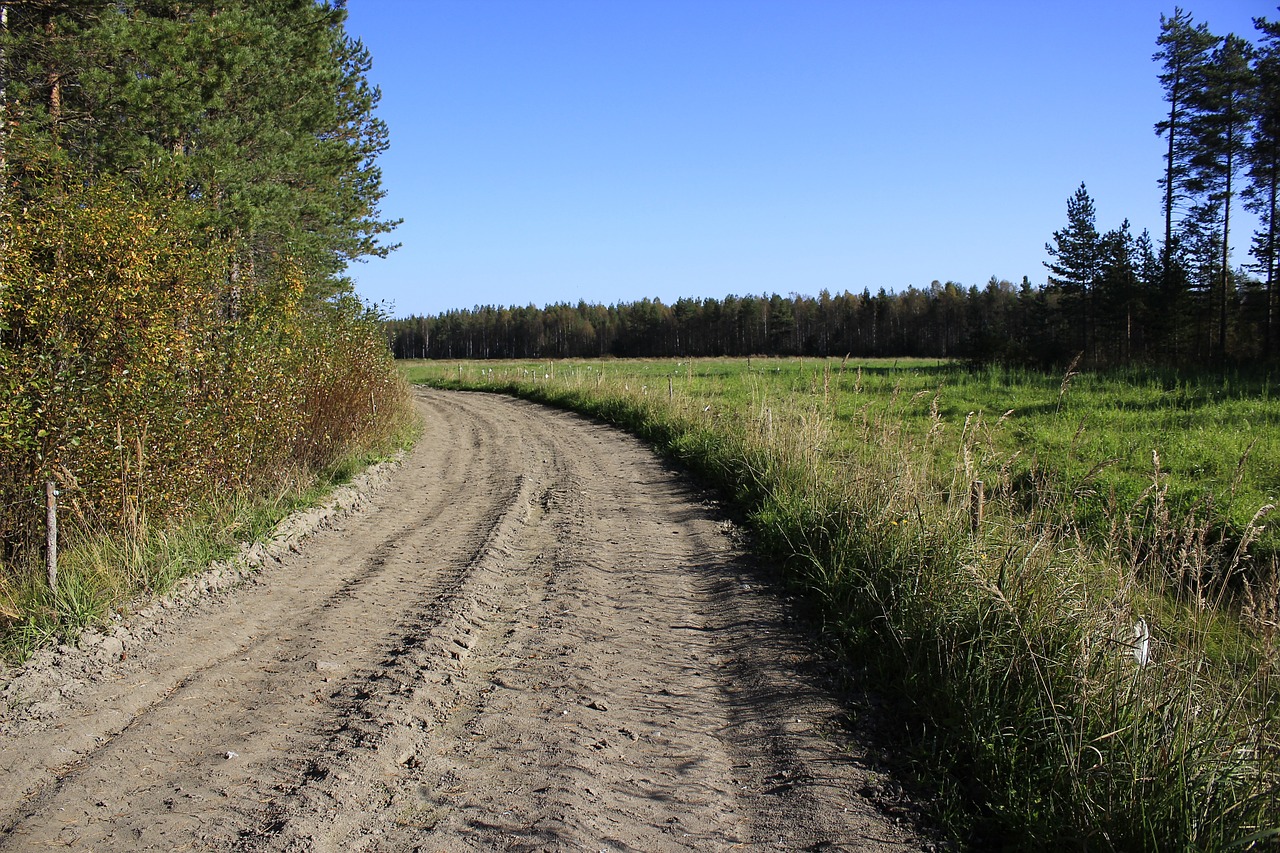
(534, 636)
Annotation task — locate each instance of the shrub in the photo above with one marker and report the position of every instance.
(144, 381)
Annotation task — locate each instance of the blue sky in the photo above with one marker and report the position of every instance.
(609, 150)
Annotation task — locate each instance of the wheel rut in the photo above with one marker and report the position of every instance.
(537, 636)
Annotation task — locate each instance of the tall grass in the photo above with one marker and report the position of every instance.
(1068, 676)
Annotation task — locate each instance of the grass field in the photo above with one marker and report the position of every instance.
(1213, 444)
(1066, 583)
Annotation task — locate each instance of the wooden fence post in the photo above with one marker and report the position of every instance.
(51, 533)
(977, 501)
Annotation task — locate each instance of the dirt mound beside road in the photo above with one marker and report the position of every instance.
(535, 635)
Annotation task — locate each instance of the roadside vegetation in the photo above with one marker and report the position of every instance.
(181, 357)
(1064, 584)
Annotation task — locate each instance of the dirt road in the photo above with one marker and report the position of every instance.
(534, 635)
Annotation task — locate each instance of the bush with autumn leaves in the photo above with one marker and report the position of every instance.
(182, 187)
(134, 379)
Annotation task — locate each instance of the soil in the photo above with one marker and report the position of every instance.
(529, 634)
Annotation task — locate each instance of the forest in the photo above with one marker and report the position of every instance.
(182, 185)
(1111, 297)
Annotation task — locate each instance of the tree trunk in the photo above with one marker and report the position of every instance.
(54, 79)
(4, 105)
(1226, 262)
(1271, 259)
(1168, 183)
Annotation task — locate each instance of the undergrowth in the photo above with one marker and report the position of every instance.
(106, 570)
(1061, 683)
(170, 400)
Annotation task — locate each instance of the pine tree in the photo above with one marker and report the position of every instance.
(1199, 257)
(42, 46)
(1119, 297)
(1077, 261)
(1263, 192)
(1184, 51)
(259, 110)
(1149, 279)
(1219, 131)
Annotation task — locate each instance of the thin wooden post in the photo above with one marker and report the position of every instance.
(977, 503)
(671, 389)
(51, 533)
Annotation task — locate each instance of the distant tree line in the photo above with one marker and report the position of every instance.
(998, 321)
(1110, 297)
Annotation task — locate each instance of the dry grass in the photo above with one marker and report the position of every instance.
(1060, 687)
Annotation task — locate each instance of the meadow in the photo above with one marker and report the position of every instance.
(1065, 584)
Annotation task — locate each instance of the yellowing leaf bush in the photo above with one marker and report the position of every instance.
(136, 376)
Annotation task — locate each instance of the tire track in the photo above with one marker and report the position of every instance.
(536, 637)
(250, 672)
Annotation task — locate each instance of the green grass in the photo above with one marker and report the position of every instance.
(1217, 440)
(1007, 645)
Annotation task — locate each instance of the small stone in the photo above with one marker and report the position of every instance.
(111, 649)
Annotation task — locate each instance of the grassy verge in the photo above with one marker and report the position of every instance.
(102, 569)
(1063, 681)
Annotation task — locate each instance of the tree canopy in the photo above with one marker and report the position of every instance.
(259, 112)
(182, 185)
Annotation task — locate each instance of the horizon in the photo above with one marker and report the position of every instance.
(569, 151)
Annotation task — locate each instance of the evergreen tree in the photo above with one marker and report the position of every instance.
(259, 110)
(1184, 50)
(1199, 258)
(1119, 297)
(1219, 130)
(1150, 274)
(1076, 253)
(43, 54)
(1263, 156)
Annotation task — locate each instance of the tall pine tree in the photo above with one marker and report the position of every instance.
(258, 110)
(1219, 131)
(1262, 195)
(1184, 49)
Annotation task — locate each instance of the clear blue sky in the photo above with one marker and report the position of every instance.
(609, 150)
